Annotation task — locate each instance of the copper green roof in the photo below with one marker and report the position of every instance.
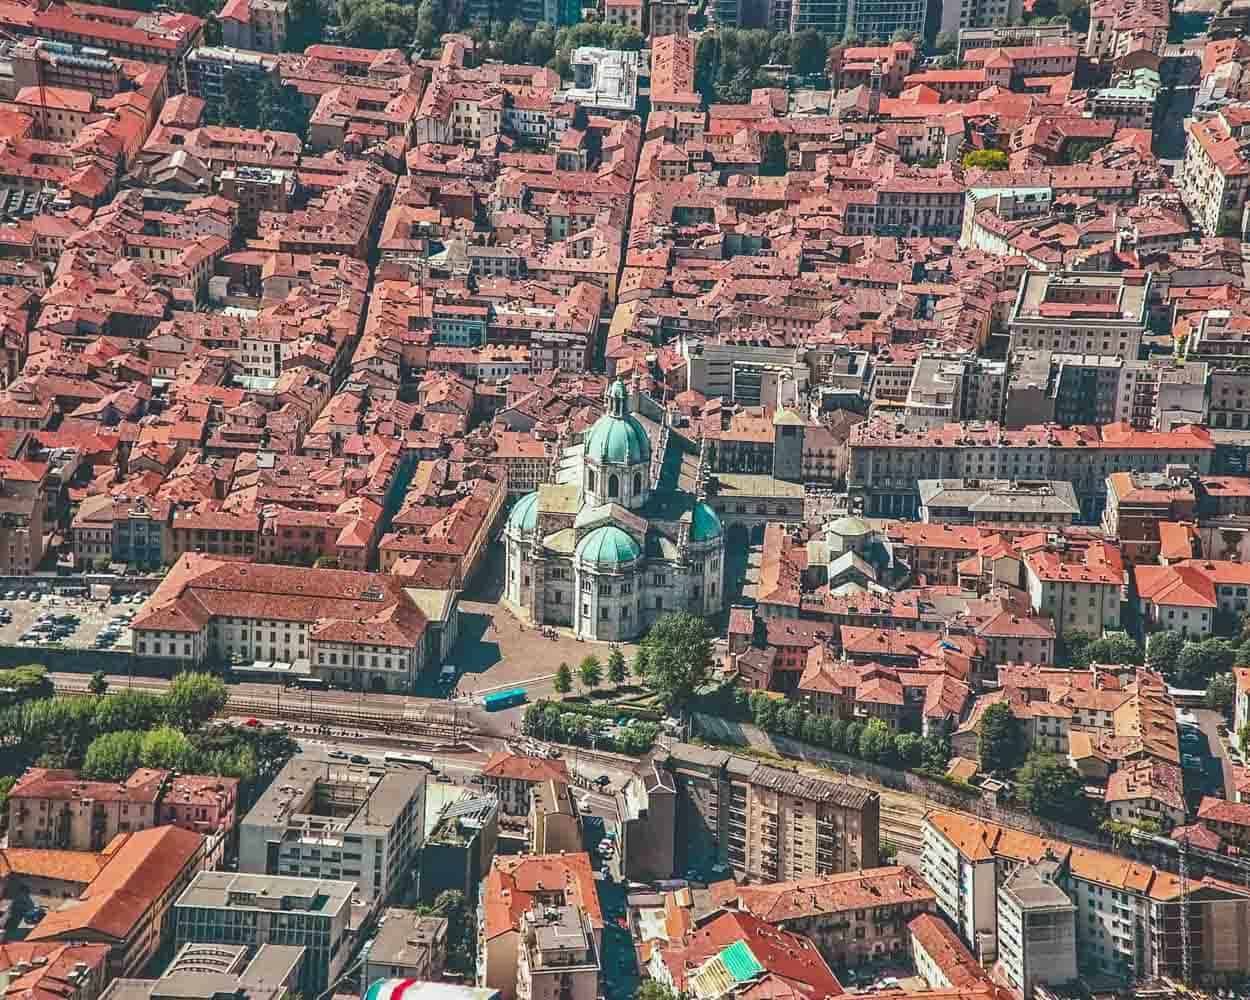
(608, 545)
(618, 441)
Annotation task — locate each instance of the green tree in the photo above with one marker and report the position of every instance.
(128, 709)
(1162, 651)
(113, 756)
(1200, 661)
(705, 56)
(22, 684)
(6, 786)
(808, 52)
(194, 698)
(935, 753)
(454, 908)
(851, 737)
(876, 741)
(165, 747)
(775, 163)
(909, 748)
(887, 853)
(653, 989)
(281, 109)
(563, 681)
(999, 742)
(590, 672)
(542, 45)
(1080, 150)
(429, 24)
(98, 683)
(986, 159)
(837, 735)
(679, 655)
(1112, 649)
(376, 24)
(616, 667)
(945, 42)
(1072, 647)
(306, 24)
(1221, 690)
(1048, 787)
(639, 666)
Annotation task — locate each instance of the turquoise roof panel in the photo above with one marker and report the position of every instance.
(609, 546)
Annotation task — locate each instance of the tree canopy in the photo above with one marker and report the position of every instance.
(986, 159)
(678, 656)
(999, 742)
(1049, 788)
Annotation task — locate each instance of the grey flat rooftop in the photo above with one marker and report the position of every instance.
(287, 798)
(316, 895)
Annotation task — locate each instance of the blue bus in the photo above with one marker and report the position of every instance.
(504, 699)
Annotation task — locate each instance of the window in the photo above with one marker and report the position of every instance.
(637, 483)
(614, 485)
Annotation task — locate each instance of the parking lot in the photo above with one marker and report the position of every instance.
(75, 622)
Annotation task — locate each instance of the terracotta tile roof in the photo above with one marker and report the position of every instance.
(949, 953)
(800, 898)
(135, 876)
(65, 866)
(502, 764)
(509, 889)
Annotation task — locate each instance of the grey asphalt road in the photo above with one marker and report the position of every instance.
(1208, 721)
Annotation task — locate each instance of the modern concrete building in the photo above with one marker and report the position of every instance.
(1036, 929)
(214, 971)
(1014, 504)
(337, 821)
(1128, 923)
(460, 847)
(253, 910)
(407, 946)
(1086, 312)
(763, 823)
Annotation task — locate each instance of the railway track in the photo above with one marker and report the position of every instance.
(439, 724)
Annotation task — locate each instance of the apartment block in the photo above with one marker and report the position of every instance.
(762, 823)
(1214, 177)
(1128, 924)
(1081, 312)
(1079, 585)
(1036, 929)
(57, 809)
(1137, 503)
(886, 459)
(518, 886)
(558, 958)
(854, 917)
(254, 910)
(337, 821)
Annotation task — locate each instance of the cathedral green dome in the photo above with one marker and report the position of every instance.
(608, 545)
(618, 440)
(524, 516)
(704, 524)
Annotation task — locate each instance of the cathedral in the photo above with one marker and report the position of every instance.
(620, 538)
